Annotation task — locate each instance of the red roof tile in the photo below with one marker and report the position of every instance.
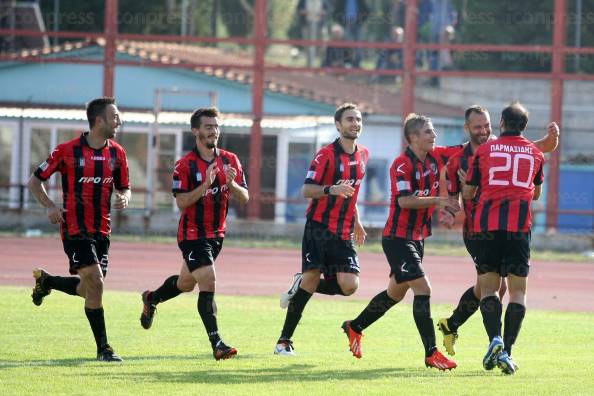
(321, 87)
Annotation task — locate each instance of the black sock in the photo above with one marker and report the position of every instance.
(97, 322)
(330, 287)
(514, 315)
(491, 310)
(166, 291)
(66, 285)
(294, 312)
(376, 308)
(424, 322)
(467, 306)
(207, 308)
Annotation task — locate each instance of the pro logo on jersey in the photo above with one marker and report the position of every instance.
(96, 180)
(349, 182)
(216, 190)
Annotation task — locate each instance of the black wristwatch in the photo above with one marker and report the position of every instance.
(327, 190)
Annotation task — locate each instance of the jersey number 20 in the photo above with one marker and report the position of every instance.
(512, 162)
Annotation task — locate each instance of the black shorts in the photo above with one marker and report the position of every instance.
(470, 242)
(85, 251)
(405, 258)
(503, 252)
(323, 250)
(200, 252)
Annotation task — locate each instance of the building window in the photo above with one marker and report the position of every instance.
(6, 141)
(377, 190)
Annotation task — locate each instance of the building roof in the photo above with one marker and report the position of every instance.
(326, 90)
(320, 87)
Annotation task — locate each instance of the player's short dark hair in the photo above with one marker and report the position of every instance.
(514, 117)
(474, 109)
(96, 108)
(195, 120)
(342, 108)
(413, 123)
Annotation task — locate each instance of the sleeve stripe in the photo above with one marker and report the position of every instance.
(403, 185)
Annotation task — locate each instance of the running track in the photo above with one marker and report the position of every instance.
(138, 266)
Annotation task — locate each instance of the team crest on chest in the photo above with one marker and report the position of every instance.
(198, 177)
(434, 168)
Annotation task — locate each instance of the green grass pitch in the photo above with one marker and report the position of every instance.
(49, 350)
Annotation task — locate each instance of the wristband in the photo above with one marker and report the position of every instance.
(327, 190)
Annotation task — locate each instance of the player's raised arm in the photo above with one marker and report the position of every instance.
(237, 184)
(187, 199)
(551, 140)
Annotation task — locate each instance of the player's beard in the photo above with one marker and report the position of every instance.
(351, 135)
(209, 144)
(478, 140)
(109, 132)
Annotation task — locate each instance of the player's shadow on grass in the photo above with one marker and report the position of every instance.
(82, 361)
(289, 372)
(70, 362)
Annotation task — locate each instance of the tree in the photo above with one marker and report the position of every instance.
(527, 22)
(505, 22)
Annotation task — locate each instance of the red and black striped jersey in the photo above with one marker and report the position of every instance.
(207, 217)
(332, 165)
(461, 160)
(88, 178)
(506, 171)
(411, 176)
